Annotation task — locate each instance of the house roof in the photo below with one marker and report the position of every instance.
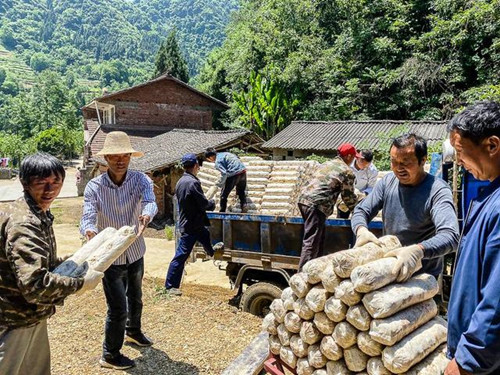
(160, 78)
(324, 136)
(167, 149)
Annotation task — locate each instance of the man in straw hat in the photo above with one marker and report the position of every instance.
(116, 198)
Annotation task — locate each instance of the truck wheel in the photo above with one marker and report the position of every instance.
(257, 298)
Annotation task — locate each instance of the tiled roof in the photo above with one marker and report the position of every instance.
(324, 136)
(167, 149)
(160, 78)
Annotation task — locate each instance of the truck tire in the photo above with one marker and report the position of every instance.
(257, 298)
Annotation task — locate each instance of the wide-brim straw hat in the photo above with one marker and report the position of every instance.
(118, 143)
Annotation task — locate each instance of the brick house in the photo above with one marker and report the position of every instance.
(147, 110)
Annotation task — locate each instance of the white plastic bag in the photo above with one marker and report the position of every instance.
(359, 317)
(396, 297)
(345, 334)
(335, 309)
(415, 347)
(389, 331)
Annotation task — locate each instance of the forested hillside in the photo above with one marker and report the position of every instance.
(55, 55)
(119, 37)
(355, 59)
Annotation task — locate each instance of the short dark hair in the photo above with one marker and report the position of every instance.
(412, 140)
(367, 155)
(210, 152)
(40, 165)
(478, 121)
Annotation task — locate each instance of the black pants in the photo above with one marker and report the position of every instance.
(314, 234)
(240, 181)
(123, 290)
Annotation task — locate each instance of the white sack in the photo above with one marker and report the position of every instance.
(329, 279)
(345, 261)
(389, 331)
(269, 324)
(355, 359)
(346, 293)
(368, 345)
(274, 344)
(331, 349)
(434, 363)
(337, 368)
(335, 309)
(301, 308)
(293, 322)
(309, 333)
(315, 357)
(316, 298)
(299, 346)
(299, 284)
(287, 356)
(359, 317)
(303, 367)
(415, 347)
(102, 256)
(284, 335)
(396, 297)
(323, 323)
(345, 334)
(278, 309)
(375, 366)
(70, 265)
(374, 275)
(288, 297)
(315, 267)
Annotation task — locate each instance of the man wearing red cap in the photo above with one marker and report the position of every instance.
(318, 198)
(348, 154)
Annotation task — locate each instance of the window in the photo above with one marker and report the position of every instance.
(290, 153)
(108, 115)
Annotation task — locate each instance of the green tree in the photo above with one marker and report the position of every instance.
(264, 106)
(39, 61)
(169, 59)
(60, 141)
(16, 147)
(3, 75)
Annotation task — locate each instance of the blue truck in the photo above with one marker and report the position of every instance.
(262, 251)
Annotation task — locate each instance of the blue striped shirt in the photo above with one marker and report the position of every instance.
(108, 205)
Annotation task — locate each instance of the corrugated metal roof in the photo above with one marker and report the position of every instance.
(324, 136)
(167, 149)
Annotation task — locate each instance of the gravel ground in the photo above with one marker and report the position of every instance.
(198, 333)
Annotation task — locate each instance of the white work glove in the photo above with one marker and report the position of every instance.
(91, 279)
(211, 192)
(409, 261)
(364, 236)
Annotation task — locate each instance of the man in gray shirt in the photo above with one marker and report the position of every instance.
(416, 207)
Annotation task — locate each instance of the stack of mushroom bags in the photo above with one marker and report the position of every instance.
(346, 313)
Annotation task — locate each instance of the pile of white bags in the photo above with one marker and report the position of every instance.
(346, 314)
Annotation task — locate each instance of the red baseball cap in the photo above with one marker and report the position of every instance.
(348, 149)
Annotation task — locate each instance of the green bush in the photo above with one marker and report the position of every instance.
(169, 232)
(318, 158)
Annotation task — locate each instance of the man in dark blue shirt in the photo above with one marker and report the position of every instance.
(192, 222)
(474, 309)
